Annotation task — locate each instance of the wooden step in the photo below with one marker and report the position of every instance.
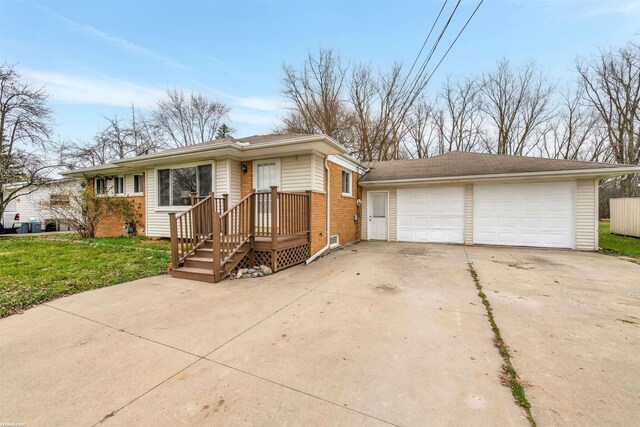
(205, 262)
(191, 273)
(204, 253)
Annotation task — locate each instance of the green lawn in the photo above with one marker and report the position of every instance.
(618, 245)
(38, 269)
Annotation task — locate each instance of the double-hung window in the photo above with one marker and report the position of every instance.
(175, 185)
(346, 183)
(118, 185)
(138, 183)
(101, 185)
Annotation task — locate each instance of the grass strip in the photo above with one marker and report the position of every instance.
(509, 376)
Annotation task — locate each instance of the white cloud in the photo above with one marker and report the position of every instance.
(253, 118)
(94, 90)
(254, 103)
(617, 7)
(117, 41)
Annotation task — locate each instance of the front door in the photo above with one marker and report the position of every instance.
(378, 222)
(266, 175)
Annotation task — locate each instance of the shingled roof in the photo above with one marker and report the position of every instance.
(459, 164)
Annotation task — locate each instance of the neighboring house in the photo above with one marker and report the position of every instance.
(215, 200)
(31, 204)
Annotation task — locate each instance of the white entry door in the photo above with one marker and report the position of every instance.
(266, 174)
(378, 221)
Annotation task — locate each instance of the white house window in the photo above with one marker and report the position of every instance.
(101, 185)
(138, 185)
(174, 185)
(346, 183)
(118, 185)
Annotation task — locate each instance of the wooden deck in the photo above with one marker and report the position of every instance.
(210, 245)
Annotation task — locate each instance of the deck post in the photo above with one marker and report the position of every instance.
(274, 226)
(192, 195)
(215, 238)
(308, 207)
(252, 227)
(173, 230)
(226, 202)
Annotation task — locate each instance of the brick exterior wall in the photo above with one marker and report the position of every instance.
(246, 179)
(318, 221)
(112, 226)
(343, 209)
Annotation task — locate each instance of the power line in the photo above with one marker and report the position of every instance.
(455, 40)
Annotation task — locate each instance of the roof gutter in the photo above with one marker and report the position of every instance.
(598, 172)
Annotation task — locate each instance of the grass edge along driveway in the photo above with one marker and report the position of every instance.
(34, 270)
(613, 244)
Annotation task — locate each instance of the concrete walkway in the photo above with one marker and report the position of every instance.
(375, 334)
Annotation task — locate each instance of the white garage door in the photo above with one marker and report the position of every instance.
(539, 214)
(431, 214)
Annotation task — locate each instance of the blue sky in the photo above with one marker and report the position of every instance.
(98, 57)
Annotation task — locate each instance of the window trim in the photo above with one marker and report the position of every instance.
(141, 175)
(115, 186)
(350, 174)
(171, 208)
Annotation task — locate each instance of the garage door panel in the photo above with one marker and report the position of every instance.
(532, 214)
(431, 214)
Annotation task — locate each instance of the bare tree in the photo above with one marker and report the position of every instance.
(611, 80)
(421, 133)
(517, 103)
(315, 96)
(460, 121)
(24, 133)
(575, 133)
(119, 139)
(189, 119)
(83, 211)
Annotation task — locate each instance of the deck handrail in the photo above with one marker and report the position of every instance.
(257, 215)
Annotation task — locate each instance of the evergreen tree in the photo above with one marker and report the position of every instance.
(223, 131)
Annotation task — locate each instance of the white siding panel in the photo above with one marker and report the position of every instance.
(157, 222)
(586, 215)
(318, 173)
(468, 214)
(222, 177)
(295, 173)
(625, 216)
(235, 172)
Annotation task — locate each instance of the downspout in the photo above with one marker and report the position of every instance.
(321, 251)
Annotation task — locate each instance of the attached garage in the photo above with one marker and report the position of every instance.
(489, 199)
(529, 214)
(431, 214)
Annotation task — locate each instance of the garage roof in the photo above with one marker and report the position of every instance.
(458, 164)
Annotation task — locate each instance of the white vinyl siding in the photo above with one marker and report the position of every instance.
(431, 214)
(525, 214)
(235, 172)
(392, 212)
(587, 214)
(128, 184)
(157, 222)
(317, 171)
(468, 214)
(295, 173)
(222, 177)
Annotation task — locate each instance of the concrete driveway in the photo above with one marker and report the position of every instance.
(375, 334)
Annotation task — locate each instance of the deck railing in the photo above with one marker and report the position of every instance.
(261, 214)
